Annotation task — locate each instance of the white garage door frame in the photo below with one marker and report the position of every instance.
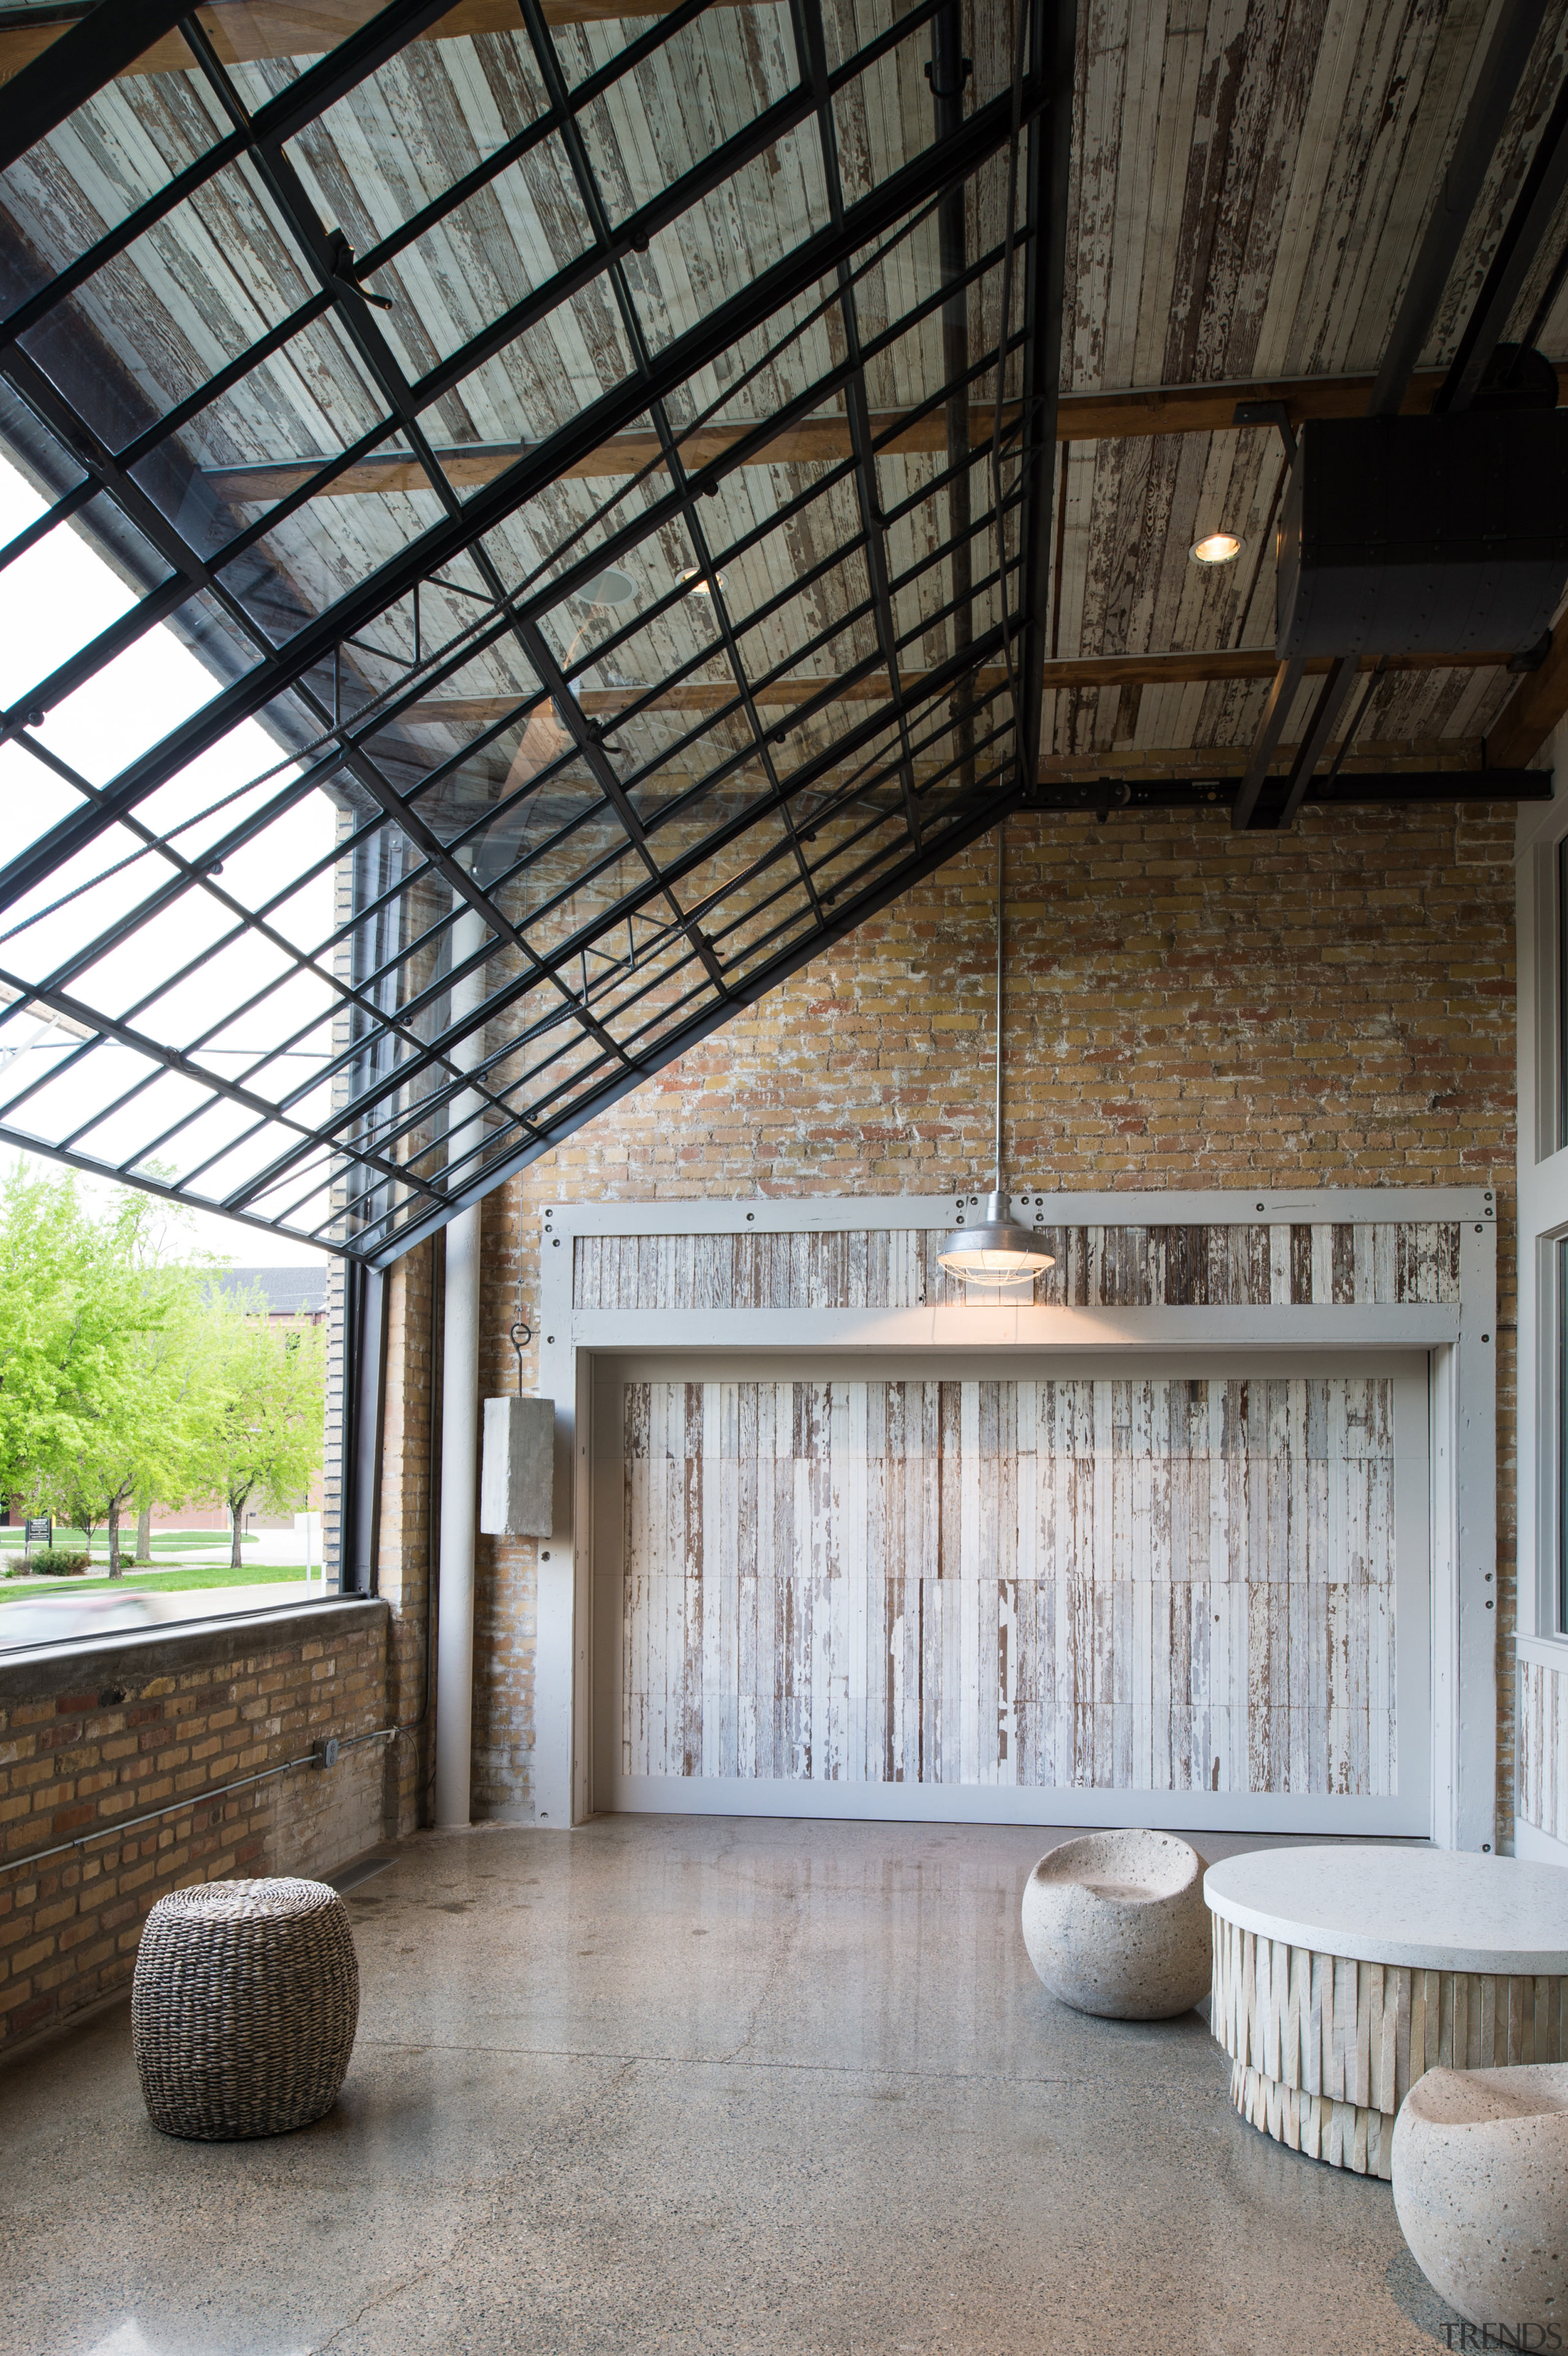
(1454, 1335)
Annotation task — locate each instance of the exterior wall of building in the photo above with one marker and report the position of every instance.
(94, 1737)
(1186, 1008)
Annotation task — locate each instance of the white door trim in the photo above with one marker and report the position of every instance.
(1459, 1337)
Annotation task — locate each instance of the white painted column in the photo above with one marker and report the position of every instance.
(459, 1434)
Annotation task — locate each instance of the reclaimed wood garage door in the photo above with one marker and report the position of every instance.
(1142, 1584)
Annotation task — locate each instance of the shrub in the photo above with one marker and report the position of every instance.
(59, 1562)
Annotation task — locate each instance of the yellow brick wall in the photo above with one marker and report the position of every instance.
(1186, 1008)
(88, 1745)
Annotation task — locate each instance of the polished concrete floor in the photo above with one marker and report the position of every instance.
(673, 2085)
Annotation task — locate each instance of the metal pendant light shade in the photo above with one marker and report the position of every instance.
(994, 1249)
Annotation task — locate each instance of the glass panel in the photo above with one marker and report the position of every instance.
(484, 257)
(176, 306)
(540, 380)
(268, 436)
(367, 174)
(55, 601)
(885, 115)
(702, 86)
(123, 144)
(726, 242)
(297, 571)
(137, 699)
(32, 800)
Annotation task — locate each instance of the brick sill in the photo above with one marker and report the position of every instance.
(37, 1671)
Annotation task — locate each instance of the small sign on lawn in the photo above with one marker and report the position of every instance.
(41, 1532)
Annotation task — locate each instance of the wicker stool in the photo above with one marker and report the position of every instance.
(245, 2007)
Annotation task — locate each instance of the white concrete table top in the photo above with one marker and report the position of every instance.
(1427, 1909)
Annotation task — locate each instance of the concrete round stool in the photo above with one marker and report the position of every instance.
(245, 2007)
(1115, 1924)
(1481, 2189)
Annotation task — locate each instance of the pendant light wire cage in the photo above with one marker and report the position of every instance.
(994, 1250)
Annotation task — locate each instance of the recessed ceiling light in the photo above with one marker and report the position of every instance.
(700, 585)
(1218, 547)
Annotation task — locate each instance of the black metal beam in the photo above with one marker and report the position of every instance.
(1508, 53)
(51, 86)
(1535, 209)
(1371, 790)
(1265, 744)
(1331, 698)
(1054, 40)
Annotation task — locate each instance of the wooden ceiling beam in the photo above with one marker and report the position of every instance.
(1533, 710)
(825, 441)
(1082, 670)
(245, 31)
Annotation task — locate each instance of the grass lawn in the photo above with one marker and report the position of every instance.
(201, 1574)
(169, 1542)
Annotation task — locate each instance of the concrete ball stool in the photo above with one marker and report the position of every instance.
(1481, 2189)
(243, 2008)
(1115, 1924)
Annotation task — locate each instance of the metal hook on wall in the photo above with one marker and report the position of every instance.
(525, 1332)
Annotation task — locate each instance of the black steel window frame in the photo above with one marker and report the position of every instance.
(430, 1110)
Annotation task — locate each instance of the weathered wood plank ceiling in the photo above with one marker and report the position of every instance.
(568, 431)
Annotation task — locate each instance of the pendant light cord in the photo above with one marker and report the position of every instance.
(1002, 834)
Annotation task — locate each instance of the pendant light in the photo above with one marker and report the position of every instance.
(993, 1249)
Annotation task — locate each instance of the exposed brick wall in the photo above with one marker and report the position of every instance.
(1187, 1007)
(127, 1727)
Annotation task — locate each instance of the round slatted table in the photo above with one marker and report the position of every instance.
(1343, 1975)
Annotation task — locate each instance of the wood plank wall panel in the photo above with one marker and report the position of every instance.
(1324, 2050)
(1542, 1761)
(1095, 1267)
(1139, 1584)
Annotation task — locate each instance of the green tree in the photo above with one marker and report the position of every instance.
(136, 1424)
(82, 1295)
(265, 1417)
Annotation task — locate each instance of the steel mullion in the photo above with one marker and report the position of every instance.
(811, 44)
(36, 307)
(589, 191)
(234, 372)
(135, 1043)
(1049, 142)
(70, 72)
(288, 193)
(685, 355)
(62, 510)
(250, 920)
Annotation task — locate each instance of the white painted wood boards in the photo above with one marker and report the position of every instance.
(517, 1472)
(1142, 1584)
(1324, 2049)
